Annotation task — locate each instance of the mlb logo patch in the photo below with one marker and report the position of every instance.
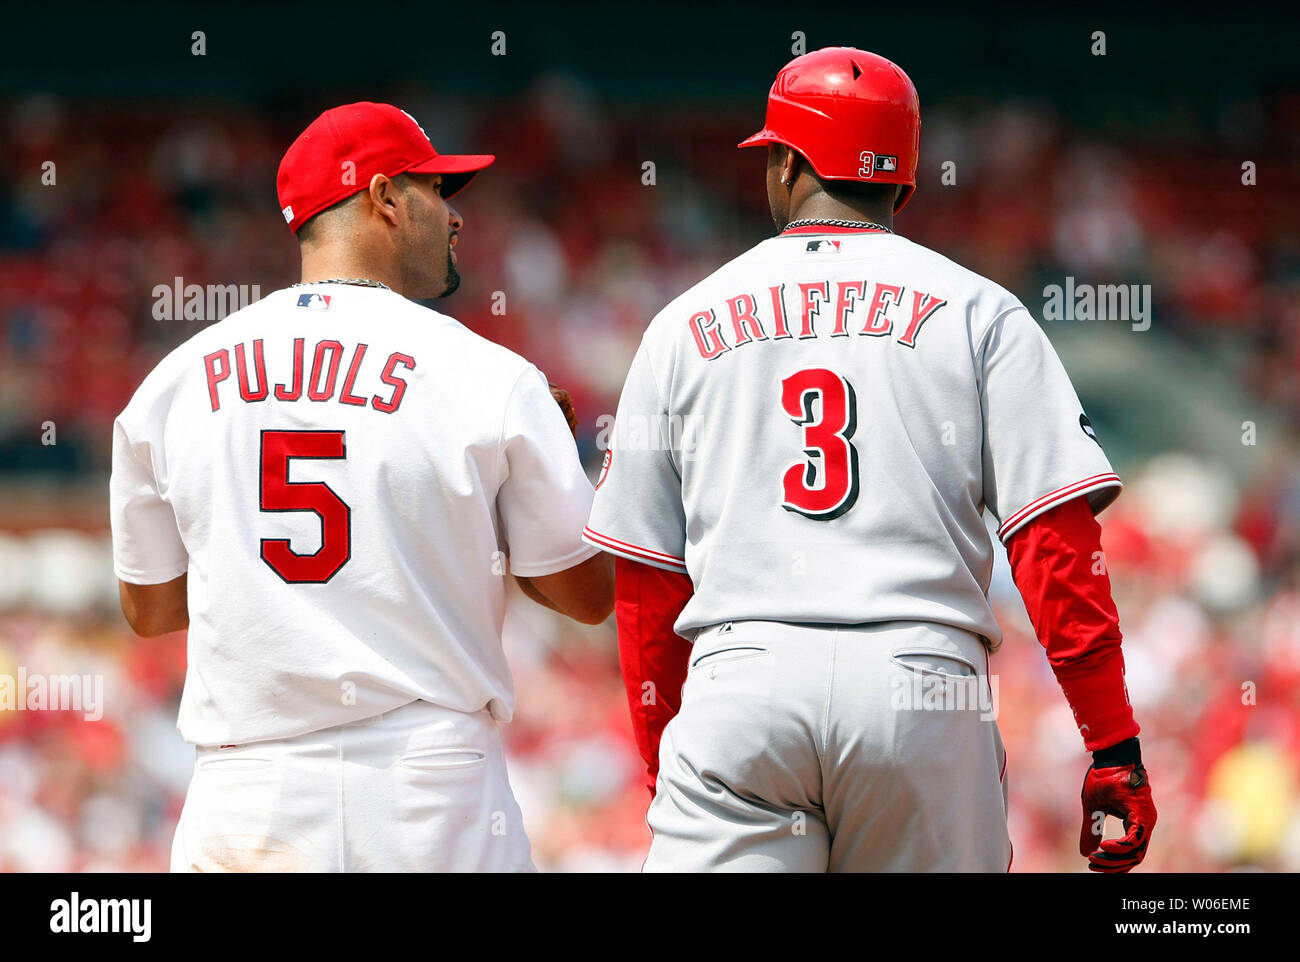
(314, 302)
(823, 246)
(887, 163)
(288, 214)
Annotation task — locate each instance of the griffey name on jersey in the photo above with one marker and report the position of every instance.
(321, 383)
(814, 309)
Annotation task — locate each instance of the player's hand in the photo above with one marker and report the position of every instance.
(566, 405)
(1116, 784)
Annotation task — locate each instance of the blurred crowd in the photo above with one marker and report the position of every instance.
(571, 244)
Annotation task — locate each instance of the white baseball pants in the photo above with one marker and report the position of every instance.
(417, 789)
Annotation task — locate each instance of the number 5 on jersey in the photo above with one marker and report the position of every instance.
(278, 493)
(826, 492)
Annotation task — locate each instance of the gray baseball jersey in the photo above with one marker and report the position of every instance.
(814, 432)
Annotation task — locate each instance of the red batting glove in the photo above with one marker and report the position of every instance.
(1116, 784)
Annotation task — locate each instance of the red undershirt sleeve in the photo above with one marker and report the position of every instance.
(652, 656)
(1058, 565)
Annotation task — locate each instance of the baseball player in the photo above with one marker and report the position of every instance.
(805, 447)
(325, 487)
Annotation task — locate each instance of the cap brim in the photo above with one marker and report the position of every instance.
(764, 136)
(457, 169)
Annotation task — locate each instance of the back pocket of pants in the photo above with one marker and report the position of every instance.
(934, 661)
(234, 763)
(441, 759)
(731, 653)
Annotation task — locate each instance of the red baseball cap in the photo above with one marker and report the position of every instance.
(343, 148)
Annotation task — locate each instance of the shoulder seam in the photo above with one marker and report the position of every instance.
(997, 318)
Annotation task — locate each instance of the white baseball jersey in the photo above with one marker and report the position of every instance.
(342, 473)
(813, 433)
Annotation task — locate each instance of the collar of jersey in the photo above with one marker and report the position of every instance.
(828, 229)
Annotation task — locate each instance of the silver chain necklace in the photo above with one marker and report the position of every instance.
(833, 222)
(354, 281)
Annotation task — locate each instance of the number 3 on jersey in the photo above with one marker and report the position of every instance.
(825, 485)
(278, 493)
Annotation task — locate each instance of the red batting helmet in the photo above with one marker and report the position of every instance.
(852, 114)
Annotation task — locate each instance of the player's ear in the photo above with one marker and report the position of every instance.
(777, 155)
(383, 197)
(789, 166)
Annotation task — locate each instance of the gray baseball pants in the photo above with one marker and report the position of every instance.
(843, 748)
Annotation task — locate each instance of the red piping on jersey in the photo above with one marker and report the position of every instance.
(1039, 505)
(614, 544)
(829, 229)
